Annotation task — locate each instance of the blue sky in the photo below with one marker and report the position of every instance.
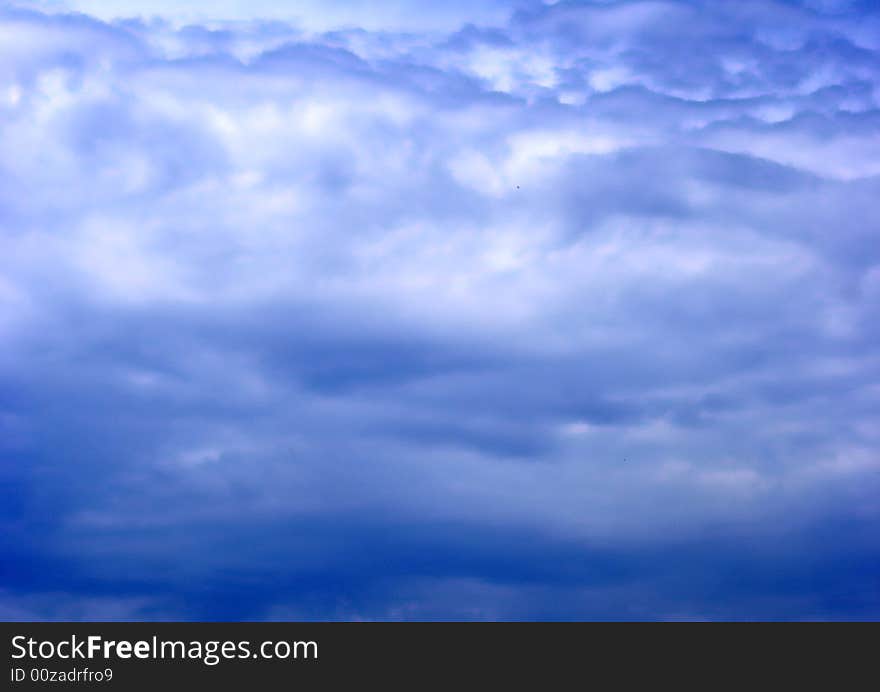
(492, 310)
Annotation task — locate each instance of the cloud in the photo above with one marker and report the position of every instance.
(563, 312)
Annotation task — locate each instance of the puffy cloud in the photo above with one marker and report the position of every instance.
(570, 313)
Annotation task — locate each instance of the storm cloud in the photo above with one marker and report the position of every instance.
(505, 311)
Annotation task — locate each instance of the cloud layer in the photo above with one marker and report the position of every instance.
(569, 315)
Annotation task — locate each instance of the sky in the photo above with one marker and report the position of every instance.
(461, 311)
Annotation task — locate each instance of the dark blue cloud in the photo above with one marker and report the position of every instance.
(566, 315)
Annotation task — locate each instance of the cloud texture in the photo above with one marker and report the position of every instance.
(570, 314)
